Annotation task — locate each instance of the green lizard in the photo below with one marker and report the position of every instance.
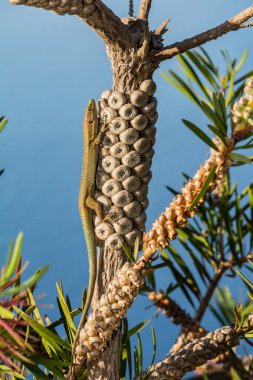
(87, 204)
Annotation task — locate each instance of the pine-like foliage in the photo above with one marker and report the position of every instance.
(212, 222)
(219, 239)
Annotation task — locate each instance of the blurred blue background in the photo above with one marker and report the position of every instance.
(50, 67)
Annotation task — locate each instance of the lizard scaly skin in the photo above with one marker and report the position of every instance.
(87, 203)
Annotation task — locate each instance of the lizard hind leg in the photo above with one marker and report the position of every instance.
(111, 217)
(97, 207)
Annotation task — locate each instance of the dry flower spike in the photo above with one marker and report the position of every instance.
(194, 354)
(189, 328)
(243, 113)
(106, 317)
(177, 214)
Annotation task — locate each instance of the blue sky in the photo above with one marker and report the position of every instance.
(50, 67)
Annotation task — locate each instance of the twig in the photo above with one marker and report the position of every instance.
(235, 23)
(206, 299)
(246, 25)
(163, 27)
(224, 266)
(214, 283)
(144, 9)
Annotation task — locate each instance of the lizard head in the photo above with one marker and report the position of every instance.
(90, 111)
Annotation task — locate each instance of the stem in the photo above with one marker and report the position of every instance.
(207, 297)
(224, 266)
(232, 24)
(214, 283)
(144, 9)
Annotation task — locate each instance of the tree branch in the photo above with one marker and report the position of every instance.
(235, 23)
(223, 267)
(108, 26)
(96, 15)
(206, 299)
(144, 9)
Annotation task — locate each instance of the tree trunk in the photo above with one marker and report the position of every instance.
(130, 67)
(107, 367)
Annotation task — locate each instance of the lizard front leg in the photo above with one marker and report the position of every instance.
(99, 136)
(94, 205)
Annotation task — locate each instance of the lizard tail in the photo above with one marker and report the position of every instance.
(92, 280)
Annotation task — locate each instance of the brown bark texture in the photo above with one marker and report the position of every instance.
(107, 367)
